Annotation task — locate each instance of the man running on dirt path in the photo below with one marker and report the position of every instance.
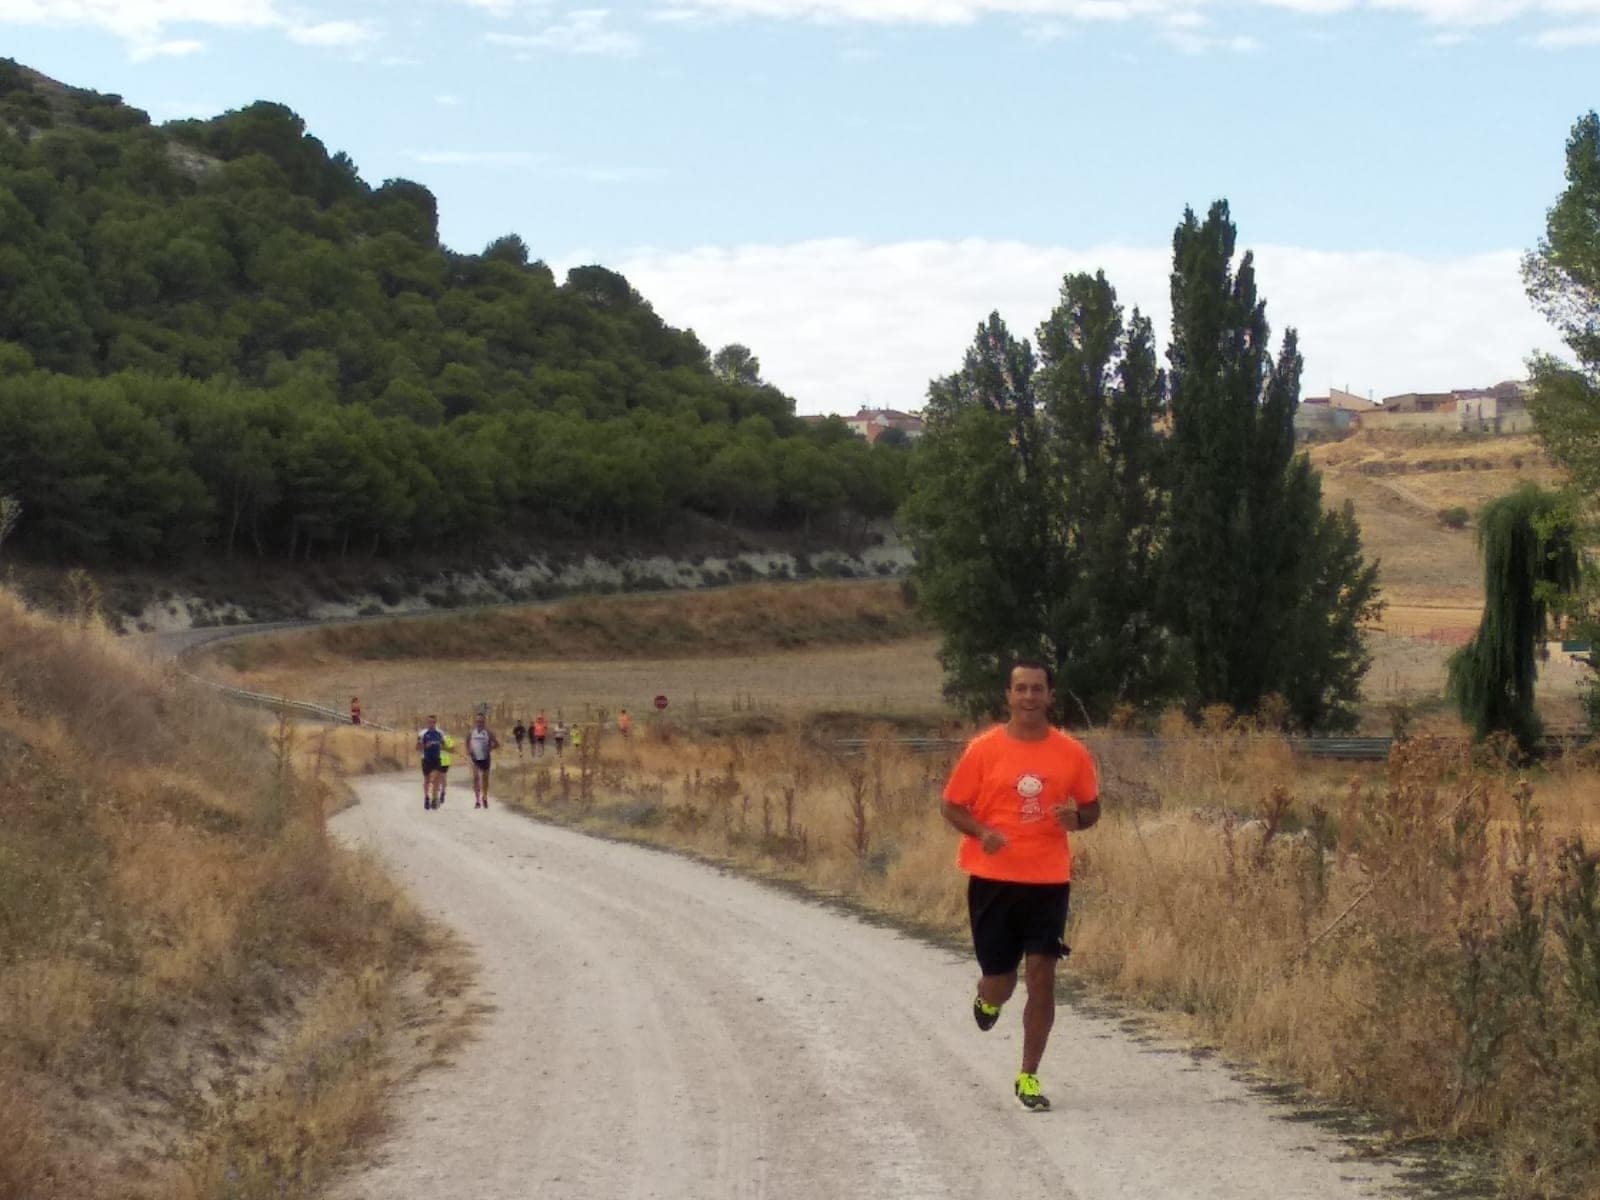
(519, 732)
(430, 741)
(540, 728)
(480, 742)
(1017, 792)
(559, 736)
(624, 723)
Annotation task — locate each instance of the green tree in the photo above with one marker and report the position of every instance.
(977, 516)
(1242, 559)
(1101, 391)
(1563, 280)
(1530, 559)
(735, 363)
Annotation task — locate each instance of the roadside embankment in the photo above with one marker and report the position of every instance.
(199, 992)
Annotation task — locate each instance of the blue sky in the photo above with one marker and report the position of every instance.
(849, 187)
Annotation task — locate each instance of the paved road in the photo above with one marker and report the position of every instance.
(664, 1030)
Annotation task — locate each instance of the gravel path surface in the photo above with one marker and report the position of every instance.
(664, 1030)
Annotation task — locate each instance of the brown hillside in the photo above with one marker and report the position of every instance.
(1400, 482)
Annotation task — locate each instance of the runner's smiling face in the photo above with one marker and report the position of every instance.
(1028, 699)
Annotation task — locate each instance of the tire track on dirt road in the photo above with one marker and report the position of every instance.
(664, 1030)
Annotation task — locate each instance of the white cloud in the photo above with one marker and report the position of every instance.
(1190, 42)
(142, 22)
(333, 33)
(581, 31)
(1168, 14)
(177, 48)
(1567, 37)
(839, 323)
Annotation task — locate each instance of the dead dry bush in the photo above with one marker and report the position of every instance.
(175, 929)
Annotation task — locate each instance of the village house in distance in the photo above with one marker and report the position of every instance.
(873, 423)
(1502, 408)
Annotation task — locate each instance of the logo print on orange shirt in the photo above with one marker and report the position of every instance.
(1030, 787)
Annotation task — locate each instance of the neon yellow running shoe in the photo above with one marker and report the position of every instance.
(1029, 1095)
(984, 1014)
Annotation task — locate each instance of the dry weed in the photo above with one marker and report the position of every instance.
(169, 900)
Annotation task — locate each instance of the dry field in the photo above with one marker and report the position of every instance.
(898, 681)
(901, 677)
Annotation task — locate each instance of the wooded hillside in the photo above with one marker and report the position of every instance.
(217, 338)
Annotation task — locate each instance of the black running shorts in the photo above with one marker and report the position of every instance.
(428, 768)
(1013, 919)
(481, 764)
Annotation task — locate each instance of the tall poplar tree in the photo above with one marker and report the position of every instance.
(1101, 390)
(977, 515)
(1036, 508)
(1267, 591)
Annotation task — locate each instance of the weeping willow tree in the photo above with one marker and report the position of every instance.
(1530, 559)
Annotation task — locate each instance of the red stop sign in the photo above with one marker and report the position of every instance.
(661, 702)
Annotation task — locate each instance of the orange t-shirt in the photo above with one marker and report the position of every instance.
(1015, 787)
(539, 727)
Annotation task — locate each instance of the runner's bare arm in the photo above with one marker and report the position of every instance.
(960, 816)
(1076, 818)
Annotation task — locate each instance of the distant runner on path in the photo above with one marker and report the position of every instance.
(624, 723)
(559, 736)
(520, 733)
(355, 710)
(481, 741)
(444, 768)
(1017, 792)
(430, 742)
(540, 728)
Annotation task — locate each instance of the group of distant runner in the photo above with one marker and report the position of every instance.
(436, 747)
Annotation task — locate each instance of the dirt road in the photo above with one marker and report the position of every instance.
(664, 1030)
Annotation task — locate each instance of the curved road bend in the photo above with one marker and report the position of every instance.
(663, 1030)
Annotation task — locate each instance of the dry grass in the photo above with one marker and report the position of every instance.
(753, 619)
(178, 937)
(898, 677)
(1413, 937)
(1400, 481)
